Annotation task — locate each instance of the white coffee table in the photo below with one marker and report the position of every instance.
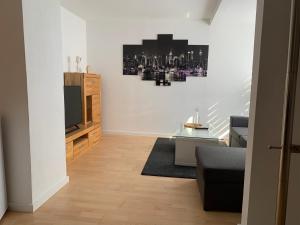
(186, 140)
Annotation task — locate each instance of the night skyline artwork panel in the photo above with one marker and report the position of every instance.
(165, 60)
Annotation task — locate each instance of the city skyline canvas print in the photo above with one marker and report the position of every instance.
(165, 60)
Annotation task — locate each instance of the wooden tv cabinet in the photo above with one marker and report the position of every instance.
(90, 130)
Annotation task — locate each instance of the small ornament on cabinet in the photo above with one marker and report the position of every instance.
(196, 119)
(88, 69)
(78, 64)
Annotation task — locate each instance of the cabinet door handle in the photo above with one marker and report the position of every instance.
(295, 148)
(271, 147)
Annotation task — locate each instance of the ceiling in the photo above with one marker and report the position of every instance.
(143, 9)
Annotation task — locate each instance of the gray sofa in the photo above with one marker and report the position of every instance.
(238, 134)
(220, 170)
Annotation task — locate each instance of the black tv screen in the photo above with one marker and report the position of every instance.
(73, 106)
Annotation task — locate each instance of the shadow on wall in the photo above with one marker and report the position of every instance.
(219, 123)
(246, 95)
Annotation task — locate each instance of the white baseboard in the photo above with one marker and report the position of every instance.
(29, 208)
(49, 193)
(19, 207)
(2, 214)
(137, 133)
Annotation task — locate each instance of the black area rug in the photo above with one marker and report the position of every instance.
(161, 161)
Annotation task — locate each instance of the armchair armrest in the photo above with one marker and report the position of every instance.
(239, 121)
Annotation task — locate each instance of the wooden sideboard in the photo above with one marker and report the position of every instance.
(90, 130)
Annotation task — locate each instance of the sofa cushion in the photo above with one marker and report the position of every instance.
(238, 137)
(240, 131)
(239, 121)
(221, 164)
(243, 141)
(245, 137)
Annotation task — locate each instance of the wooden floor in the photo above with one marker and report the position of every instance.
(106, 188)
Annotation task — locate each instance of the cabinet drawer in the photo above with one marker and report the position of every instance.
(81, 145)
(91, 86)
(94, 136)
(69, 151)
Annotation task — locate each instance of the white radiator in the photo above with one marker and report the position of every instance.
(3, 200)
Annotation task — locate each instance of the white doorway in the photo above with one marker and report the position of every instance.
(266, 113)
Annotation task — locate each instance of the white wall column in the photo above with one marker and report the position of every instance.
(14, 106)
(266, 113)
(31, 94)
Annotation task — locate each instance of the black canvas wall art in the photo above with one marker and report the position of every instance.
(164, 60)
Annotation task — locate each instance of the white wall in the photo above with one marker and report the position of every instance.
(74, 40)
(43, 51)
(129, 104)
(139, 107)
(230, 62)
(3, 194)
(14, 105)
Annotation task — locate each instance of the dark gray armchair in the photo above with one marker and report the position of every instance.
(220, 170)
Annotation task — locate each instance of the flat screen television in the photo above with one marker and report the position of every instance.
(73, 106)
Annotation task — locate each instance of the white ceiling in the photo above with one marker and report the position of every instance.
(143, 9)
